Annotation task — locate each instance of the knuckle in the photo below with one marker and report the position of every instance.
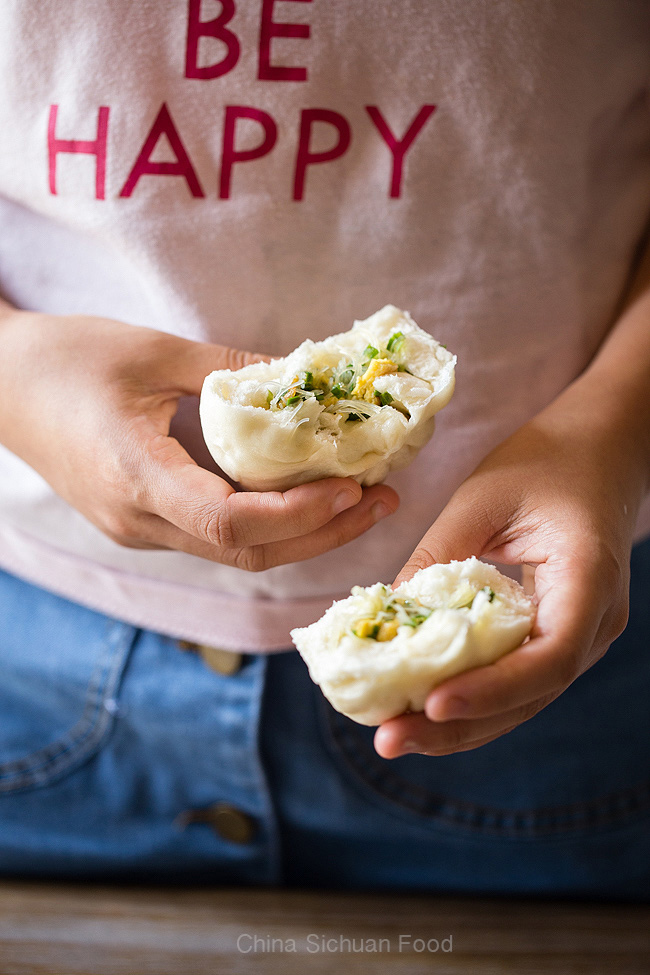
(122, 540)
(340, 536)
(528, 711)
(335, 535)
(421, 559)
(304, 520)
(122, 528)
(235, 358)
(124, 471)
(133, 489)
(300, 519)
(253, 558)
(506, 731)
(479, 742)
(609, 569)
(217, 526)
(455, 738)
(470, 744)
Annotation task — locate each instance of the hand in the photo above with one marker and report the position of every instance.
(88, 403)
(561, 494)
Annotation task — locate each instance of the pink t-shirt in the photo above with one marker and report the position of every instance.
(255, 173)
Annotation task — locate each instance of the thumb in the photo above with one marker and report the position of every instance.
(188, 363)
(462, 529)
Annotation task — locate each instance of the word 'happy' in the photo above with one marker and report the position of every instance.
(164, 128)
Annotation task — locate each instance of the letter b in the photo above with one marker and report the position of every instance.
(197, 28)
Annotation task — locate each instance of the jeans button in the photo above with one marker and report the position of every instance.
(225, 662)
(228, 821)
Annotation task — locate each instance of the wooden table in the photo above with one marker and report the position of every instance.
(50, 929)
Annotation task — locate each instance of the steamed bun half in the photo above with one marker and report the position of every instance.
(357, 404)
(380, 652)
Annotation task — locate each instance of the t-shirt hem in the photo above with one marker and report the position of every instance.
(176, 610)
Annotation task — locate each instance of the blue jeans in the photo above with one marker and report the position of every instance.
(114, 743)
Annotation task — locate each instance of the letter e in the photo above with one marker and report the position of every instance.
(270, 29)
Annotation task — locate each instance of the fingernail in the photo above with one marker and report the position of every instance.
(454, 707)
(379, 510)
(343, 500)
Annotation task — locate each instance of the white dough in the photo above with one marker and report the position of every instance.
(275, 449)
(372, 681)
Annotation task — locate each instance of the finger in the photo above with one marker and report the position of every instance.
(463, 528)
(376, 503)
(254, 518)
(187, 363)
(568, 619)
(414, 733)
(466, 747)
(206, 507)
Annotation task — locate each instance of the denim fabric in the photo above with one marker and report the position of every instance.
(109, 734)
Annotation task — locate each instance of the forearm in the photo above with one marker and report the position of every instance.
(618, 378)
(603, 417)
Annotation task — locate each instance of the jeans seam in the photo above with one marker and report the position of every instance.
(81, 741)
(610, 809)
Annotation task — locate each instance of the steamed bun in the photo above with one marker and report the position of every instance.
(360, 403)
(381, 652)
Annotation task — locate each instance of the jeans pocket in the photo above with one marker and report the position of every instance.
(514, 787)
(61, 666)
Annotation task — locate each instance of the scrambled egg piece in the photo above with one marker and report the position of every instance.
(365, 385)
(382, 632)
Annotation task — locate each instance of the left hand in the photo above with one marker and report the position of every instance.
(561, 494)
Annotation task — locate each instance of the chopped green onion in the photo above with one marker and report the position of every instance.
(354, 416)
(370, 351)
(294, 399)
(337, 391)
(309, 381)
(395, 342)
(416, 619)
(385, 399)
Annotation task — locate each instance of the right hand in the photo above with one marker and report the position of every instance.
(88, 402)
